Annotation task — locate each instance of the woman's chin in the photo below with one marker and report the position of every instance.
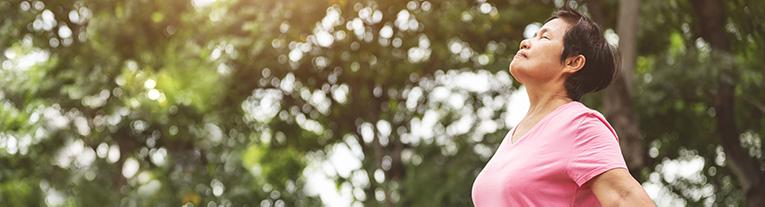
(514, 68)
(514, 72)
(520, 74)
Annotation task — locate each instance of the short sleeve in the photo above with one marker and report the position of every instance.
(595, 149)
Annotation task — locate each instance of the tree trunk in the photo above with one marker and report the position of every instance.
(762, 142)
(617, 100)
(595, 8)
(711, 20)
(627, 28)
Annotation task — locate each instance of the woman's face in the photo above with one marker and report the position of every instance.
(538, 59)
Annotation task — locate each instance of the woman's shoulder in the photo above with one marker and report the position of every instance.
(577, 111)
(578, 115)
(587, 119)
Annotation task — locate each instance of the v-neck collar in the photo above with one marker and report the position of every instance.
(538, 124)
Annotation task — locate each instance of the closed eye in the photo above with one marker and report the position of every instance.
(542, 34)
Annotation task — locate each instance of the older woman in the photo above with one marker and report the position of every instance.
(562, 153)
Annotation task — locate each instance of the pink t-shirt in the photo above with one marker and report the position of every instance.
(548, 165)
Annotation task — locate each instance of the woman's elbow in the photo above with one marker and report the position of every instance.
(633, 197)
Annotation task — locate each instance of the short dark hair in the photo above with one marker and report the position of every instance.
(585, 37)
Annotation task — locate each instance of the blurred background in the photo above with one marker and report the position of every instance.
(354, 102)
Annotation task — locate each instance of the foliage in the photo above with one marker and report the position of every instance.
(165, 103)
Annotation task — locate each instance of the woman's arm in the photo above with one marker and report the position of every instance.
(616, 187)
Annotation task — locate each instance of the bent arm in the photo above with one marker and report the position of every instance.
(616, 187)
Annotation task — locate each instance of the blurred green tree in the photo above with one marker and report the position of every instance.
(231, 102)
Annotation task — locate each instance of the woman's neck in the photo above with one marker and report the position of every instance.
(544, 101)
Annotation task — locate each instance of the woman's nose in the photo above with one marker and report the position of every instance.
(525, 44)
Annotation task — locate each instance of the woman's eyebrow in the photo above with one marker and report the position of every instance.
(543, 30)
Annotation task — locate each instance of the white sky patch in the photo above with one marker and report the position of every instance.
(288, 82)
(82, 126)
(367, 132)
(531, 29)
(68, 153)
(113, 155)
(64, 32)
(386, 32)
(413, 97)
(263, 105)
(149, 84)
(23, 62)
(401, 20)
(687, 168)
(429, 121)
(332, 19)
(611, 37)
(662, 195)
(384, 128)
(439, 94)
(130, 167)
(202, 3)
(54, 119)
(457, 100)
(340, 93)
(295, 55)
(154, 94)
(343, 160)
(54, 197)
(46, 21)
(455, 46)
(158, 156)
(217, 187)
(485, 8)
(74, 16)
(357, 26)
(320, 101)
(461, 126)
(517, 107)
(324, 39)
(309, 124)
(102, 149)
(421, 52)
(472, 81)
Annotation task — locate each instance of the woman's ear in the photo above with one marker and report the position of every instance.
(574, 63)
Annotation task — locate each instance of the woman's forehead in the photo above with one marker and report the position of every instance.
(555, 26)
